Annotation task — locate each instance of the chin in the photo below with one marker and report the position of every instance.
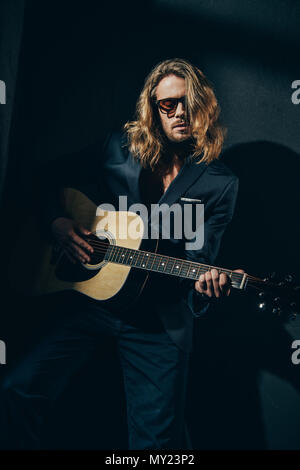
(180, 137)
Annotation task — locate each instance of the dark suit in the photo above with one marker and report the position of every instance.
(111, 167)
(155, 336)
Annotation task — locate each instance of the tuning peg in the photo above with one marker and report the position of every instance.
(293, 314)
(288, 278)
(276, 311)
(271, 277)
(277, 300)
(262, 306)
(261, 295)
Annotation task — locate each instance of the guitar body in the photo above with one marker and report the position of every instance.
(46, 269)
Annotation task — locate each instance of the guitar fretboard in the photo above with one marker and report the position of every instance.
(168, 264)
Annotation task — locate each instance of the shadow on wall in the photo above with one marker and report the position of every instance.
(236, 343)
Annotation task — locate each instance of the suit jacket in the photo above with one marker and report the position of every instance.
(107, 170)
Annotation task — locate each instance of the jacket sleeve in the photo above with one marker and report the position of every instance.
(70, 170)
(214, 228)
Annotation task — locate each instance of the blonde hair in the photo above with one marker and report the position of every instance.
(145, 138)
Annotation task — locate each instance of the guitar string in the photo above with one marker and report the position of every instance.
(195, 263)
(186, 263)
(157, 255)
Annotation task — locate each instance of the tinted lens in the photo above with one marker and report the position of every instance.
(168, 105)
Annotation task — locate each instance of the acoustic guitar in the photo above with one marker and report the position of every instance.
(109, 276)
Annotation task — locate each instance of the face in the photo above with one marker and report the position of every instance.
(174, 124)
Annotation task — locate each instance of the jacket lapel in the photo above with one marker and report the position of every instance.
(188, 174)
(186, 177)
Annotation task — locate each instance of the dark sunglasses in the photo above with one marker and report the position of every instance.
(169, 105)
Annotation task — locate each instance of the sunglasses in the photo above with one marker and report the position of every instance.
(169, 105)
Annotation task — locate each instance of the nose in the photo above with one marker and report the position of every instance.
(180, 110)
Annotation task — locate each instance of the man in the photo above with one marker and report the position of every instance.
(168, 154)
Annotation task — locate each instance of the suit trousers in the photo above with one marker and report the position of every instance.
(154, 372)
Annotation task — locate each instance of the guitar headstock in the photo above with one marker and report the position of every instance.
(280, 296)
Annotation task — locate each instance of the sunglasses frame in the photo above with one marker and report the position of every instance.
(177, 100)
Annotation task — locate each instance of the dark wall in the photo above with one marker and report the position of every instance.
(81, 68)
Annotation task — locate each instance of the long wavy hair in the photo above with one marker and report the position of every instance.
(146, 139)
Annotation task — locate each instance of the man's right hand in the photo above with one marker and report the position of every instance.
(67, 233)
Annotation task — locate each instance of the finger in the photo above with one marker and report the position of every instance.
(69, 256)
(200, 285)
(239, 271)
(70, 250)
(82, 243)
(215, 282)
(224, 283)
(208, 281)
(83, 230)
(78, 252)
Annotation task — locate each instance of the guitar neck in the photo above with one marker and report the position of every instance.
(169, 265)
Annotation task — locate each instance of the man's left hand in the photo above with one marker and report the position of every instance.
(214, 284)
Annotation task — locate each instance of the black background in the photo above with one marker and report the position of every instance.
(74, 70)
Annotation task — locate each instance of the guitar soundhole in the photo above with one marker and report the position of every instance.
(67, 271)
(100, 246)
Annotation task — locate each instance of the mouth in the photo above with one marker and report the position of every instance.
(180, 126)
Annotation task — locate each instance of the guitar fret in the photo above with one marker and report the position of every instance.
(130, 259)
(135, 255)
(153, 260)
(197, 272)
(144, 260)
(121, 256)
(148, 259)
(188, 271)
(175, 267)
(188, 268)
(168, 267)
(180, 265)
(114, 257)
(127, 256)
(157, 261)
(162, 264)
(184, 269)
(137, 259)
